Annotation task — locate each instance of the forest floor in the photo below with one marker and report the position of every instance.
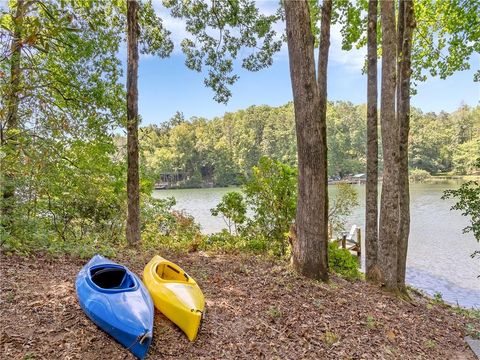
(256, 309)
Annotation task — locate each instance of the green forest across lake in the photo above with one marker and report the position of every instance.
(221, 151)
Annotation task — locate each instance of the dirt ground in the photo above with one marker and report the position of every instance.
(256, 309)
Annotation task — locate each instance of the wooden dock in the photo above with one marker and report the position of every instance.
(351, 241)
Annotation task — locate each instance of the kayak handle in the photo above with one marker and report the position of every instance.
(144, 337)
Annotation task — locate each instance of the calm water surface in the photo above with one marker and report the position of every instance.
(438, 252)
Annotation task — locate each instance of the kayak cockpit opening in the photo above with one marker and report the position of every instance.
(171, 273)
(107, 277)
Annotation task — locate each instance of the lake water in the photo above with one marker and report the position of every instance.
(438, 252)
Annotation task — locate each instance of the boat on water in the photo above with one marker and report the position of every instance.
(116, 300)
(175, 294)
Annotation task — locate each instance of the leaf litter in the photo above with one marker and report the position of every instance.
(256, 309)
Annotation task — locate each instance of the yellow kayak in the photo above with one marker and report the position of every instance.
(175, 294)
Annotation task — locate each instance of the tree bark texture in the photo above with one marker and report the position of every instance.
(308, 255)
(12, 104)
(388, 234)
(323, 49)
(371, 191)
(406, 25)
(133, 186)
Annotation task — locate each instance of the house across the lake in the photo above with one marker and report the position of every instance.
(350, 179)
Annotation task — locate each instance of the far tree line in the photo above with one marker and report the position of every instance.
(223, 150)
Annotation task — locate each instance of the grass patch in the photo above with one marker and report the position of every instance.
(330, 338)
(371, 323)
(274, 313)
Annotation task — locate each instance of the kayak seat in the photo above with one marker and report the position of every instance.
(170, 273)
(112, 278)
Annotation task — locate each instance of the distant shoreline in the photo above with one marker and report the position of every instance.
(433, 179)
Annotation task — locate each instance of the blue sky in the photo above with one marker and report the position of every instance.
(167, 86)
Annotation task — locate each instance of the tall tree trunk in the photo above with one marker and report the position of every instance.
(308, 256)
(388, 234)
(371, 191)
(12, 104)
(133, 188)
(406, 24)
(323, 49)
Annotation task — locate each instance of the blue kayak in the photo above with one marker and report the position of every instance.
(116, 300)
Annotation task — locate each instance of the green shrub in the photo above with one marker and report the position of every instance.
(223, 241)
(271, 195)
(341, 206)
(258, 246)
(271, 198)
(342, 262)
(233, 210)
(70, 196)
(419, 175)
(161, 225)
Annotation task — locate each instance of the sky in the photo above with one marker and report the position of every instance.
(167, 85)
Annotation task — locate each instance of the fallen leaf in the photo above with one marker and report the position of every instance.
(391, 335)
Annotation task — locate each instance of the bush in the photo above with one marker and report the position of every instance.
(271, 197)
(342, 206)
(233, 210)
(419, 175)
(342, 262)
(271, 194)
(37, 235)
(69, 196)
(161, 225)
(225, 241)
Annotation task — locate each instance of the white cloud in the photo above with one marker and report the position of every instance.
(352, 60)
(268, 7)
(174, 25)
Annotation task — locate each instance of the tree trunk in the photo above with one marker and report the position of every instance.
(406, 24)
(133, 188)
(308, 255)
(388, 234)
(12, 105)
(323, 49)
(371, 189)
